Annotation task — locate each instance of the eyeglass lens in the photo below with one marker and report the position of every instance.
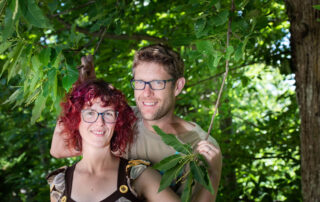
(155, 85)
(109, 116)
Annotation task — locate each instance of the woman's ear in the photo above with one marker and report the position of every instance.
(179, 86)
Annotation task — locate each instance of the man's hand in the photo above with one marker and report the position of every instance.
(214, 159)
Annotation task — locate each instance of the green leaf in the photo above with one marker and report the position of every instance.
(229, 51)
(221, 18)
(44, 56)
(317, 7)
(169, 176)
(201, 175)
(53, 5)
(33, 14)
(217, 58)
(238, 53)
(57, 60)
(13, 58)
(199, 26)
(36, 64)
(2, 6)
(205, 46)
(9, 21)
(37, 108)
(14, 96)
(172, 140)
(4, 46)
(168, 162)
(70, 78)
(53, 82)
(33, 96)
(187, 190)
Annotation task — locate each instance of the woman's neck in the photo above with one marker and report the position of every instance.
(96, 160)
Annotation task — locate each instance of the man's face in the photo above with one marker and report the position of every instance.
(154, 104)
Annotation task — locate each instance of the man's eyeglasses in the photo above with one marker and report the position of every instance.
(91, 116)
(154, 84)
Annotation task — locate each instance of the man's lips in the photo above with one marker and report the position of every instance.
(149, 103)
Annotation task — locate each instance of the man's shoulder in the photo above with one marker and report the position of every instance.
(200, 134)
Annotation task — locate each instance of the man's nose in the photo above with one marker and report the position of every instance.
(147, 91)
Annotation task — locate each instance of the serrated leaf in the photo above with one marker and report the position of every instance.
(33, 96)
(8, 22)
(44, 56)
(46, 88)
(187, 190)
(4, 46)
(57, 60)
(14, 56)
(53, 82)
(169, 176)
(238, 53)
(205, 46)
(221, 18)
(316, 7)
(70, 78)
(229, 51)
(168, 162)
(38, 107)
(199, 26)
(53, 5)
(2, 6)
(217, 59)
(172, 141)
(14, 96)
(33, 14)
(201, 175)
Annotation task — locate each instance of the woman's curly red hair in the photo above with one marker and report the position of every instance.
(84, 94)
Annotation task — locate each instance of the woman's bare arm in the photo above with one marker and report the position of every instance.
(59, 147)
(147, 185)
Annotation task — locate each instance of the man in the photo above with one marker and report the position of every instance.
(157, 81)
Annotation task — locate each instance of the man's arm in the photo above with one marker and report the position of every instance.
(59, 147)
(214, 158)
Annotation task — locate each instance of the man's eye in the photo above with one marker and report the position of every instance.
(139, 82)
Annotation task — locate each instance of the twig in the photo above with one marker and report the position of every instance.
(75, 8)
(225, 74)
(100, 40)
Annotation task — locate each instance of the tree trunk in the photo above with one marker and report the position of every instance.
(305, 47)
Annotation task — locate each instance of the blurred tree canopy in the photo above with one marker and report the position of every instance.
(258, 122)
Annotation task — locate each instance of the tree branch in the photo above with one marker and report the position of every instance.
(225, 74)
(75, 8)
(137, 37)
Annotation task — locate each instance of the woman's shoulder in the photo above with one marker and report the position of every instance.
(56, 180)
(135, 167)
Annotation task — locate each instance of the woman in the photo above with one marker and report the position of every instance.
(101, 123)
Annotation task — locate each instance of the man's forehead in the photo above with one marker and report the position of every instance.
(152, 70)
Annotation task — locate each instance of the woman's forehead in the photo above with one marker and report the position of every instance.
(97, 103)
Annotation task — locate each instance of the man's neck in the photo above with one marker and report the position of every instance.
(170, 124)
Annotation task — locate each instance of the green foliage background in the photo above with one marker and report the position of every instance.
(257, 125)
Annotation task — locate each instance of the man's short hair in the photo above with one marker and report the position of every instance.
(162, 55)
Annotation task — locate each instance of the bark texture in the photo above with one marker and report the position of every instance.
(305, 47)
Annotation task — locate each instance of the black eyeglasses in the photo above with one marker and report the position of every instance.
(154, 84)
(91, 116)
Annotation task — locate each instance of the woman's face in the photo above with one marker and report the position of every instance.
(97, 132)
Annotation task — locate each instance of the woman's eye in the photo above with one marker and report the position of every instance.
(90, 113)
(109, 114)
